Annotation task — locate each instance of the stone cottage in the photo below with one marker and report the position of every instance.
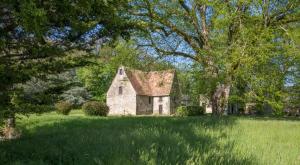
(134, 92)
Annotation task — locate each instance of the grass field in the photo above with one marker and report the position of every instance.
(76, 139)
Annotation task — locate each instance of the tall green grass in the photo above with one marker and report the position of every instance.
(77, 139)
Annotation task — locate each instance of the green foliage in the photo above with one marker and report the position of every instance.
(63, 107)
(257, 109)
(19, 104)
(39, 38)
(34, 19)
(195, 110)
(95, 108)
(277, 107)
(26, 109)
(191, 84)
(189, 111)
(181, 111)
(96, 79)
(239, 43)
(293, 97)
(50, 89)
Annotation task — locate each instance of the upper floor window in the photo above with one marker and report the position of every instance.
(120, 90)
(120, 71)
(160, 99)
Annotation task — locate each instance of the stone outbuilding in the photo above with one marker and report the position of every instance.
(134, 92)
(205, 103)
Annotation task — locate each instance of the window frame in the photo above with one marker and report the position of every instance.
(120, 90)
(121, 71)
(160, 98)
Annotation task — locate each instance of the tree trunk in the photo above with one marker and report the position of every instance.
(10, 131)
(220, 99)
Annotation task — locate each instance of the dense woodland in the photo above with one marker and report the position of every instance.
(230, 51)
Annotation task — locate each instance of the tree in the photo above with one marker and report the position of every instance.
(53, 88)
(225, 38)
(39, 38)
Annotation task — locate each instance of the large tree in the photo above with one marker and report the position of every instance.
(39, 37)
(227, 39)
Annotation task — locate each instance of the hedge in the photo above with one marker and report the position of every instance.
(189, 111)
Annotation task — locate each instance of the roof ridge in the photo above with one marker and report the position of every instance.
(131, 69)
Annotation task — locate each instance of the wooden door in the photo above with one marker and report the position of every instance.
(160, 109)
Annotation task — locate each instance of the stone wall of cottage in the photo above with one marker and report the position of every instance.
(124, 103)
(144, 105)
(164, 102)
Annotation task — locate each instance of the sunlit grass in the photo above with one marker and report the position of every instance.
(77, 139)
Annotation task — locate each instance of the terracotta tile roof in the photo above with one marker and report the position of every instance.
(155, 83)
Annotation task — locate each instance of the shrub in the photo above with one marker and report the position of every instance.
(37, 108)
(254, 109)
(181, 111)
(277, 108)
(189, 111)
(63, 107)
(195, 110)
(95, 108)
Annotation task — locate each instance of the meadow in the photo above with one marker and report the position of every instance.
(77, 139)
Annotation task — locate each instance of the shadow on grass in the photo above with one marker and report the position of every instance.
(125, 140)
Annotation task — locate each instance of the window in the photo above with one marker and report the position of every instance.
(160, 99)
(120, 71)
(120, 90)
(150, 101)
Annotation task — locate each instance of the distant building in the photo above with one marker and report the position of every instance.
(206, 103)
(134, 92)
(186, 100)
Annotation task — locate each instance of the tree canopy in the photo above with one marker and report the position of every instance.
(233, 42)
(41, 37)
